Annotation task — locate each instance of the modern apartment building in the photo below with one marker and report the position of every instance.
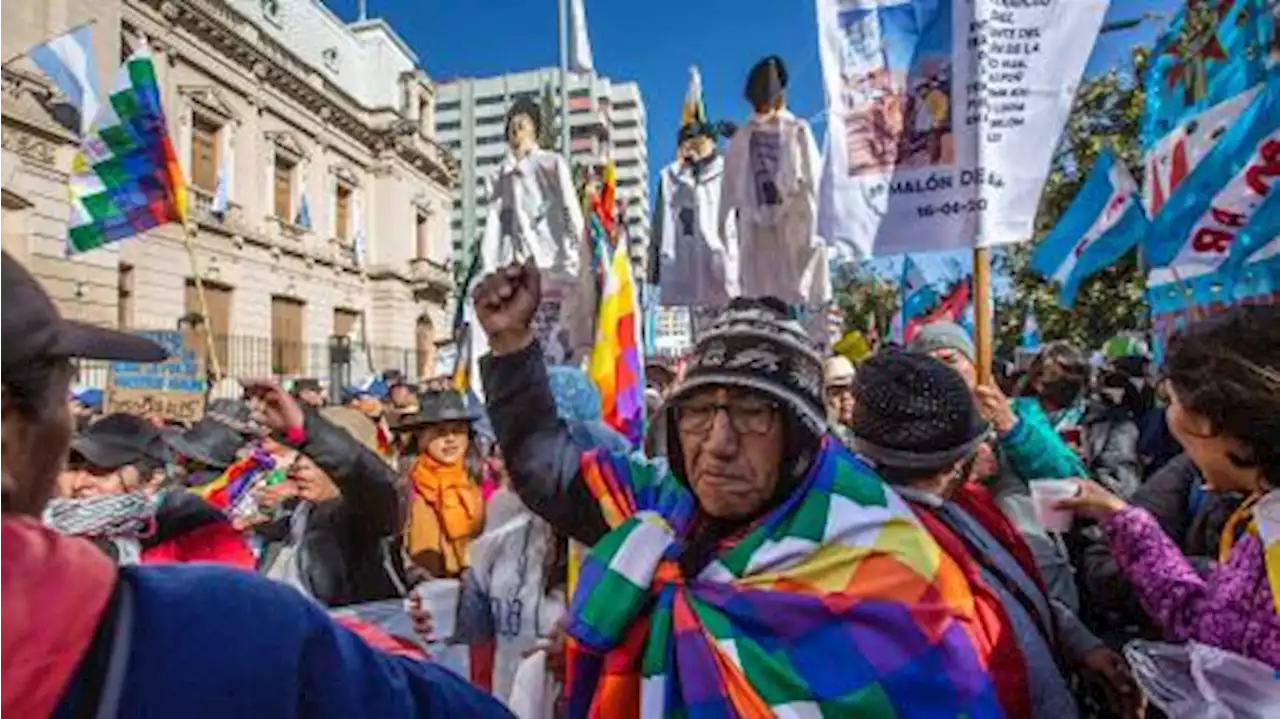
(605, 118)
(286, 103)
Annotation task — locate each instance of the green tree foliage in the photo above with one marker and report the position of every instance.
(1106, 114)
(862, 294)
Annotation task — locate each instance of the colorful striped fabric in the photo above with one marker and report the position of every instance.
(125, 179)
(224, 491)
(616, 367)
(835, 604)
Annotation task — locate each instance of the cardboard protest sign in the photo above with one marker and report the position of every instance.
(173, 389)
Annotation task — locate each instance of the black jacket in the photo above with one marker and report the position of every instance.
(1111, 449)
(351, 544)
(541, 456)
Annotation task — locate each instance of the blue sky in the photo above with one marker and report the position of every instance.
(654, 43)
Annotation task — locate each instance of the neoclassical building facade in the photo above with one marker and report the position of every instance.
(321, 135)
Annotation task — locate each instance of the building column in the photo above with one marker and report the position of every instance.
(423, 230)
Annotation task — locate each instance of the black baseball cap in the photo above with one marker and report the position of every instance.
(35, 331)
(120, 439)
(307, 384)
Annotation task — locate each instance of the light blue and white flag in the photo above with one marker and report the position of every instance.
(1103, 222)
(221, 195)
(916, 295)
(303, 217)
(359, 241)
(1201, 221)
(68, 60)
(1031, 332)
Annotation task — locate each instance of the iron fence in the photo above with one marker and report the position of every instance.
(336, 363)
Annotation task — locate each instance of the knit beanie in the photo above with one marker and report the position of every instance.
(755, 345)
(912, 412)
(942, 334)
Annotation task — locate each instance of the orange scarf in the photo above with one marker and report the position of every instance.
(446, 512)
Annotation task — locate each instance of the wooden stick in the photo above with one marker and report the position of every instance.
(982, 318)
(188, 240)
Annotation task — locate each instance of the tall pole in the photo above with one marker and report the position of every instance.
(982, 315)
(564, 80)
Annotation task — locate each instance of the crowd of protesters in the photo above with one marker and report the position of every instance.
(869, 538)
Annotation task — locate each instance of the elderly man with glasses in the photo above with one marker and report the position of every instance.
(761, 568)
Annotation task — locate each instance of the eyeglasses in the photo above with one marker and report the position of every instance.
(845, 390)
(746, 417)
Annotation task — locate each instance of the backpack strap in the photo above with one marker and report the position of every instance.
(102, 671)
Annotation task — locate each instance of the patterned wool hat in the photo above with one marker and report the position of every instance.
(913, 412)
(943, 334)
(755, 345)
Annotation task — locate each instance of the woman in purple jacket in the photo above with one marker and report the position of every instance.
(1222, 383)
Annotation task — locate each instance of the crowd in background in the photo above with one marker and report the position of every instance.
(372, 495)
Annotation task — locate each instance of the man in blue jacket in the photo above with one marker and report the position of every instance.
(83, 638)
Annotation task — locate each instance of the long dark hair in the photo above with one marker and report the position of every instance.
(1227, 370)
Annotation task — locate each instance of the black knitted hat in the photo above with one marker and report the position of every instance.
(912, 412)
(755, 345)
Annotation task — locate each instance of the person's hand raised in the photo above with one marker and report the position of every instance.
(995, 408)
(423, 625)
(506, 302)
(274, 407)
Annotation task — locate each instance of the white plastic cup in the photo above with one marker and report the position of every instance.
(440, 598)
(1045, 493)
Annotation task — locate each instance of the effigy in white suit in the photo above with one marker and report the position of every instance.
(534, 212)
(771, 187)
(698, 255)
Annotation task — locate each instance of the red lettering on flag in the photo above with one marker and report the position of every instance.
(1269, 167)
(1210, 240)
(1227, 218)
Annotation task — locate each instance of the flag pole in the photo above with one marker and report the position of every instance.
(982, 319)
(188, 240)
(564, 81)
(575, 551)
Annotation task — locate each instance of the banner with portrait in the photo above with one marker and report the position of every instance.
(943, 116)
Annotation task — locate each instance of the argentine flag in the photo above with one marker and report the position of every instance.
(1099, 227)
(918, 296)
(1031, 332)
(68, 60)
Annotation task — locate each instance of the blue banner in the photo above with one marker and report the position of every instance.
(1103, 222)
(1212, 51)
(1176, 300)
(1199, 222)
(1031, 332)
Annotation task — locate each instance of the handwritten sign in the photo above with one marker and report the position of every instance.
(173, 389)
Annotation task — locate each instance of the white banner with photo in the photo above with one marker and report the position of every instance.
(943, 116)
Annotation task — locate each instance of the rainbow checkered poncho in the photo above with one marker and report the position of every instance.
(835, 604)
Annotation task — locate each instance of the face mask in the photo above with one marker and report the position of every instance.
(1061, 392)
(1112, 395)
